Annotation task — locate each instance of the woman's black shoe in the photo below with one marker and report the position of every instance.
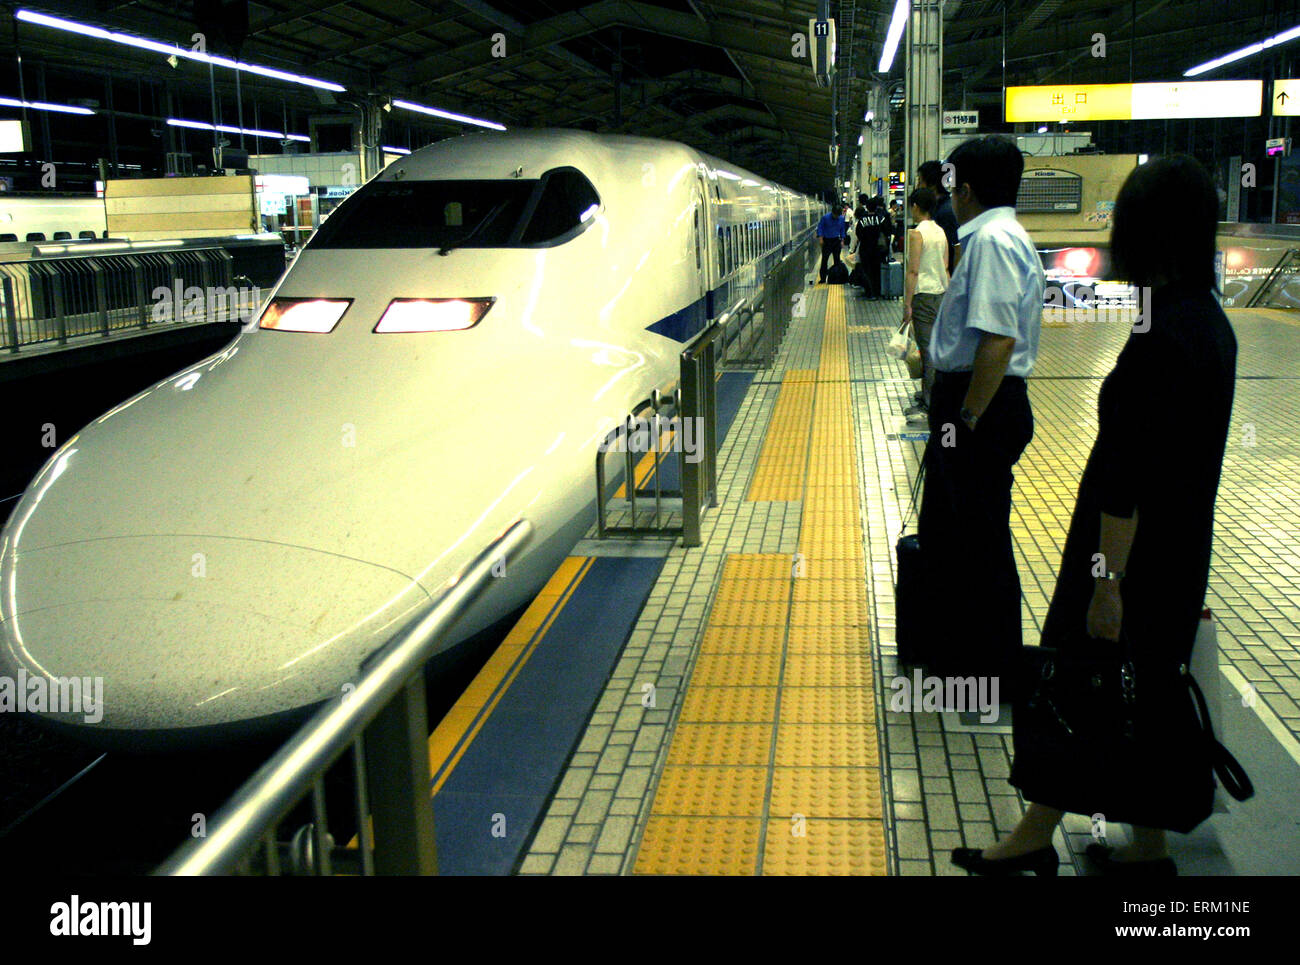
(1100, 856)
(1041, 862)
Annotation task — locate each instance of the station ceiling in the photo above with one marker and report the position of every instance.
(717, 74)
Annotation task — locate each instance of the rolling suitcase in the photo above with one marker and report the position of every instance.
(837, 274)
(891, 280)
(910, 600)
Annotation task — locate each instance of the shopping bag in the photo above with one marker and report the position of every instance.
(900, 343)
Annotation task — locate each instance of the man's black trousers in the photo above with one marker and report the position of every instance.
(830, 249)
(965, 531)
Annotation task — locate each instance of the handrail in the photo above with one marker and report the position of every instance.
(269, 795)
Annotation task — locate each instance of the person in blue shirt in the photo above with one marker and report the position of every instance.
(983, 346)
(831, 229)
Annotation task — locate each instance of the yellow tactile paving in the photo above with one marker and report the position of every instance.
(736, 745)
(743, 639)
(814, 846)
(828, 670)
(711, 791)
(829, 640)
(756, 566)
(783, 461)
(826, 745)
(827, 792)
(737, 670)
(729, 705)
(764, 591)
(827, 705)
(774, 766)
(749, 613)
(699, 846)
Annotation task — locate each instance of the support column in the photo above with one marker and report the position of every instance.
(876, 148)
(372, 153)
(923, 98)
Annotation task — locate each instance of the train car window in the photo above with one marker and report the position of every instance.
(86, 234)
(35, 236)
(567, 202)
(8, 236)
(427, 214)
(63, 236)
(722, 252)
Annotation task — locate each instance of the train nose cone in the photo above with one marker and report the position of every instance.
(192, 631)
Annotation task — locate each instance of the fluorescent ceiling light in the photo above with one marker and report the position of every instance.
(893, 36)
(200, 126)
(170, 50)
(1244, 52)
(448, 115)
(859, 140)
(396, 150)
(42, 106)
(1043, 129)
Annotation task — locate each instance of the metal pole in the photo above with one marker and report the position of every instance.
(399, 783)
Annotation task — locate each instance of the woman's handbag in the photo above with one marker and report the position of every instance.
(1100, 733)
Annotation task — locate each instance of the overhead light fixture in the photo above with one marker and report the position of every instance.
(893, 36)
(170, 50)
(227, 129)
(448, 115)
(42, 106)
(396, 150)
(859, 140)
(1043, 129)
(1244, 52)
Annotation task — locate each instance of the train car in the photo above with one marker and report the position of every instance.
(35, 218)
(226, 549)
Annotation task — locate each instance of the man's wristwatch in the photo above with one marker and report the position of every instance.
(968, 417)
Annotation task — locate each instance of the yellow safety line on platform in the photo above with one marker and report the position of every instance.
(774, 765)
(452, 737)
(779, 474)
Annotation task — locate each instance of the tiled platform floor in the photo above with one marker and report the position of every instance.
(945, 782)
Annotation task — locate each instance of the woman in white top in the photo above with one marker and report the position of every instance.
(927, 280)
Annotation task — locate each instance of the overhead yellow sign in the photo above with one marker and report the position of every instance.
(1131, 102)
(1286, 98)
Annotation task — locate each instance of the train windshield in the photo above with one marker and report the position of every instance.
(514, 213)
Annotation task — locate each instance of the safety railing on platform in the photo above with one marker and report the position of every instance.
(102, 288)
(687, 425)
(383, 722)
(755, 332)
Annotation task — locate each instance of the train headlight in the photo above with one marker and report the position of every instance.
(318, 315)
(433, 314)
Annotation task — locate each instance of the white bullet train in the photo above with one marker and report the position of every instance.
(225, 549)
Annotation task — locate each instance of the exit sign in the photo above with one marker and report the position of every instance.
(960, 120)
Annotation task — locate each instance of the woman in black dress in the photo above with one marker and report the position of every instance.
(1138, 551)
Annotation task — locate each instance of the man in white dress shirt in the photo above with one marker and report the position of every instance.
(983, 346)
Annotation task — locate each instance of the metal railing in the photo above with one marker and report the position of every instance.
(690, 414)
(750, 341)
(101, 288)
(383, 721)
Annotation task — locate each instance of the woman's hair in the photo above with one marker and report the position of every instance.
(923, 198)
(1163, 227)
